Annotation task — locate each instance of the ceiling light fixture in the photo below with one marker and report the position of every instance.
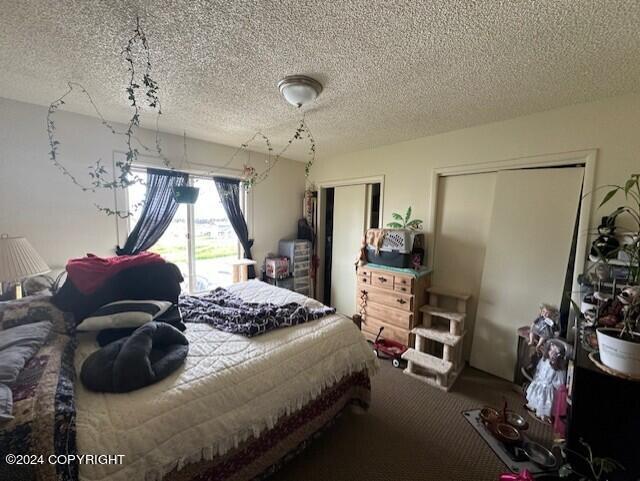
(299, 90)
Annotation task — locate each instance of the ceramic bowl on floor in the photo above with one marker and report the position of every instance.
(489, 415)
(505, 433)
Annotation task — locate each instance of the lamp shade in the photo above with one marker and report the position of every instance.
(19, 260)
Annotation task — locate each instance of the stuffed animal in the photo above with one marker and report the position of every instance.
(629, 295)
(611, 313)
(606, 245)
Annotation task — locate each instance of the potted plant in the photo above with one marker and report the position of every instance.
(620, 347)
(405, 222)
(185, 194)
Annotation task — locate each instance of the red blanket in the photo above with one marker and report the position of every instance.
(91, 272)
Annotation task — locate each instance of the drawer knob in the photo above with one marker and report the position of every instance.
(401, 301)
(382, 279)
(363, 292)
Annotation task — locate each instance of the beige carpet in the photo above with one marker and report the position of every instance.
(412, 432)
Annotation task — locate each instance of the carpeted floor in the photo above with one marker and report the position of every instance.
(411, 432)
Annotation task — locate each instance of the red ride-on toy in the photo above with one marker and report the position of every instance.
(388, 349)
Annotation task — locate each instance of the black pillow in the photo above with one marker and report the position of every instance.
(149, 355)
(159, 282)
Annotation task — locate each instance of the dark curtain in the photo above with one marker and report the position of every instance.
(157, 212)
(229, 191)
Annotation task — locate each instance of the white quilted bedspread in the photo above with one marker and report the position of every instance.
(229, 388)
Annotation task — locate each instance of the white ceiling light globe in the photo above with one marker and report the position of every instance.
(299, 90)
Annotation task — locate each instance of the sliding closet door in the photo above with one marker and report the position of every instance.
(465, 204)
(349, 217)
(532, 223)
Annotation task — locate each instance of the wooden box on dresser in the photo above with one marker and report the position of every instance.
(391, 298)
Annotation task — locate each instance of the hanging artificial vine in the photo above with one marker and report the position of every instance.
(122, 177)
(151, 95)
(251, 177)
(145, 90)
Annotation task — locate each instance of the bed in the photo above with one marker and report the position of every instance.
(43, 396)
(238, 408)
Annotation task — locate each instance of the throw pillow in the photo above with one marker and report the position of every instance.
(130, 313)
(17, 346)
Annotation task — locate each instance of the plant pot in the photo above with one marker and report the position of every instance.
(618, 353)
(186, 194)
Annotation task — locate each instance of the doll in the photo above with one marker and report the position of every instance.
(551, 373)
(542, 329)
(543, 326)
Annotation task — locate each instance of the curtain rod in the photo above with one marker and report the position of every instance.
(209, 171)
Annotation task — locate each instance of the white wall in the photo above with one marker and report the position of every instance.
(610, 125)
(61, 221)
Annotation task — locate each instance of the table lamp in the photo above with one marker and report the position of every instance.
(18, 261)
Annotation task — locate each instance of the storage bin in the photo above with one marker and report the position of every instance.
(395, 259)
(299, 253)
(276, 267)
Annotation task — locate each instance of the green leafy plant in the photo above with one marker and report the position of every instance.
(405, 222)
(631, 192)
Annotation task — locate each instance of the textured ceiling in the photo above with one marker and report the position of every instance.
(391, 71)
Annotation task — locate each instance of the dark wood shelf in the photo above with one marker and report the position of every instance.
(605, 412)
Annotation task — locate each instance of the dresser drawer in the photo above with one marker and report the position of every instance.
(364, 278)
(402, 288)
(389, 315)
(386, 297)
(383, 281)
(403, 284)
(371, 326)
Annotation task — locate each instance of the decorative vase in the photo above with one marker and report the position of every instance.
(186, 194)
(619, 354)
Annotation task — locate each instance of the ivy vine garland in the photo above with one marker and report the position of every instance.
(145, 90)
(122, 175)
(251, 177)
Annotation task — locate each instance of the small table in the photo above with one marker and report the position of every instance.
(523, 357)
(241, 269)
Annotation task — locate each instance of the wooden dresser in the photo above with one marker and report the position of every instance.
(390, 298)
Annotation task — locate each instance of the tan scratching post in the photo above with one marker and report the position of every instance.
(437, 356)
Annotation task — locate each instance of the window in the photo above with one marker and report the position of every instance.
(200, 240)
